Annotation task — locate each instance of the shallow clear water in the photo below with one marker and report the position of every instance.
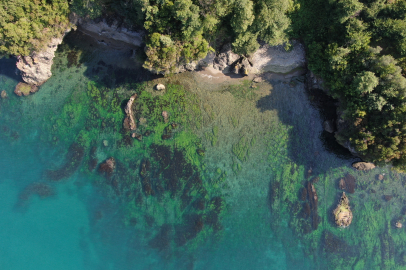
(82, 222)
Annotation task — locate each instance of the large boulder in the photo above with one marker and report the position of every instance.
(36, 68)
(342, 213)
(277, 59)
(363, 166)
(225, 59)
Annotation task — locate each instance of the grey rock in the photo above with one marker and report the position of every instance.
(328, 126)
(363, 166)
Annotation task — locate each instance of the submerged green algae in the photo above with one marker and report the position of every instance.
(266, 148)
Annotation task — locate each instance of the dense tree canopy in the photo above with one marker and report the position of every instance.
(27, 25)
(358, 48)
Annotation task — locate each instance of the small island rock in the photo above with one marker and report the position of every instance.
(343, 214)
(363, 166)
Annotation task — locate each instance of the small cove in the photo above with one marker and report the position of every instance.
(83, 226)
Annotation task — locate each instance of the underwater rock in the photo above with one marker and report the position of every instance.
(137, 135)
(363, 166)
(41, 189)
(169, 131)
(24, 89)
(308, 194)
(350, 183)
(387, 197)
(108, 166)
(333, 244)
(341, 184)
(343, 214)
(165, 116)
(162, 240)
(72, 161)
(160, 87)
(3, 94)
(105, 143)
(129, 121)
(328, 126)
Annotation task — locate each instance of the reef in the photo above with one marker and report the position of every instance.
(343, 214)
(73, 160)
(43, 190)
(309, 198)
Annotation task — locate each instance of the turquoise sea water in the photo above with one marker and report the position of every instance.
(81, 222)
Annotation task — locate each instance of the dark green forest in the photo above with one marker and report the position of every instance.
(358, 48)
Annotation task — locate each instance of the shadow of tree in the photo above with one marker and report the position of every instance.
(304, 111)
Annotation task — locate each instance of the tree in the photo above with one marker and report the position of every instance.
(28, 25)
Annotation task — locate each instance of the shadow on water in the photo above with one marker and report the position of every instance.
(304, 112)
(110, 65)
(8, 68)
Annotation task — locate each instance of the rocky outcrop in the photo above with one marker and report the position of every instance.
(342, 213)
(36, 68)
(225, 59)
(107, 167)
(363, 166)
(129, 121)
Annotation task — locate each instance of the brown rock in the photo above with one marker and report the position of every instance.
(341, 184)
(342, 213)
(108, 166)
(387, 197)
(129, 121)
(363, 166)
(380, 177)
(4, 94)
(350, 183)
(24, 89)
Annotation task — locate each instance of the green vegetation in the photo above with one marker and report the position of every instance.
(28, 25)
(358, 48)
(182, 31)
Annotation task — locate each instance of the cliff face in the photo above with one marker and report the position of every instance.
(105, 33)
(36, 68)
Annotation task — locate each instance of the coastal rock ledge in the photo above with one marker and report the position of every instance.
(36, 68)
